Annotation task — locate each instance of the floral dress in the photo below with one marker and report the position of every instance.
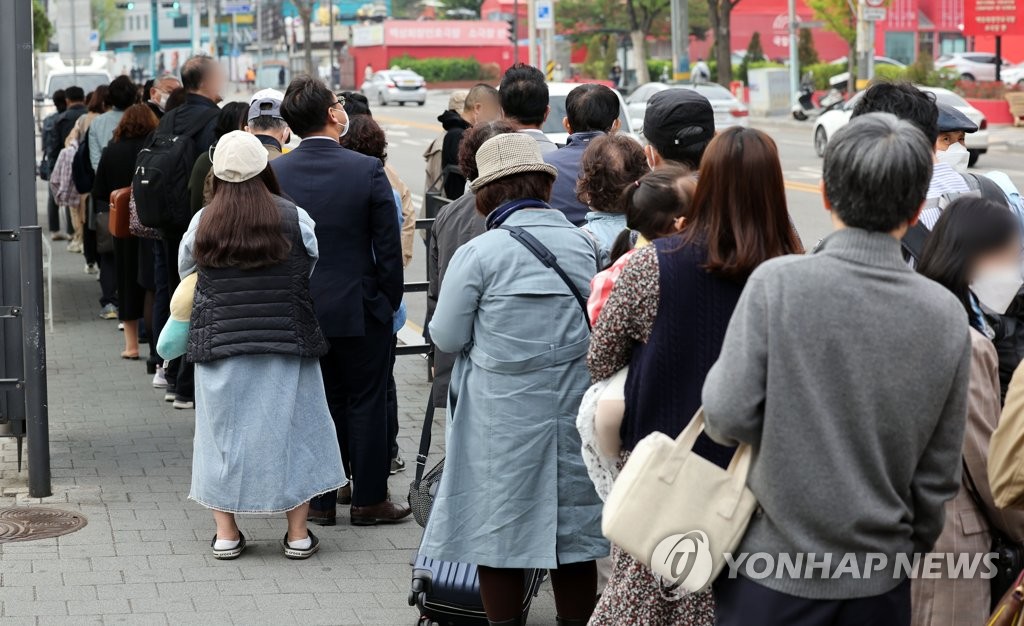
(634, 595)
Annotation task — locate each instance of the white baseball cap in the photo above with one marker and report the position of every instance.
(238, 157)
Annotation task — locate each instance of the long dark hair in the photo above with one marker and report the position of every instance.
(241, 226)
(969, 228)
(739, 209)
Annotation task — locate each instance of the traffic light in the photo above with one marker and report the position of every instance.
(127, 6)
(513, 29)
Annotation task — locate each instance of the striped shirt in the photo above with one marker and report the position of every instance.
(944, 180)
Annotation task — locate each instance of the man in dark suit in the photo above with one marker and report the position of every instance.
(356, 289)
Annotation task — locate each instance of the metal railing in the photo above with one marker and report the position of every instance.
(419, 287)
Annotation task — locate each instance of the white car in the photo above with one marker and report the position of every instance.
(830, 122)
(840, 81)
(553, 128)
(728, 110)
(1013, 75)
(399, 86)
(971, 65)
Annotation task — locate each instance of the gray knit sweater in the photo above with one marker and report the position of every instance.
(847, 372)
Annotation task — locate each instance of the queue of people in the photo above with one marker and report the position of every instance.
(581, 300)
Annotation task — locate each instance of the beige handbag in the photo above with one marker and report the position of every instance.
(677, 512)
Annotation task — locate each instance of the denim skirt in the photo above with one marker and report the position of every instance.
(264, 440)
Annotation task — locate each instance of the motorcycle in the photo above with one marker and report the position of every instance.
(806, 108)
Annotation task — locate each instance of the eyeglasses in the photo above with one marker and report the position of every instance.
(340, 101)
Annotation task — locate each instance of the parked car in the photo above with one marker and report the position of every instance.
(398, 86)
(556, 100)
(842, 81)
(971, 65)
(1013, 75)
(728, 110)
(831, 121)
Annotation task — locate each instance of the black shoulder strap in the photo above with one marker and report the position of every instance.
(913, 240)
(988, 187)
(972, 491)
(428, 421)
(548, 258)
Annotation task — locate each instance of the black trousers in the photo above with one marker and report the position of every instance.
(355, 372)
(392, 400)
(180, 373)
(742, 602)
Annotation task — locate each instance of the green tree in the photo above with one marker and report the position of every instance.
(305, 9)
(805, 49)
(42, 29)
(720, 14)
(107, 19)
(755, 51)
(840, 17)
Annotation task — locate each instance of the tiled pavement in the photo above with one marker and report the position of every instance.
(121, 456)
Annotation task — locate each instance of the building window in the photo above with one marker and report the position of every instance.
(900, 46)
(181, 21)
(951, 43)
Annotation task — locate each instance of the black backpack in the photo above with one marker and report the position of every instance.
(162, 170)
(82, 173)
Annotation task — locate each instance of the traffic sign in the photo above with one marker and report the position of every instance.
(873, 14)
(233, 7)
(874, 3)
(545, 14)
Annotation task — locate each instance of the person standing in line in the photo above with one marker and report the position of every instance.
(48, 160)
(356, 290)
(233, 116)
(456, 223)
(265, 442)
(666, 318)
(895, 428)
(203, 79)
(678, 125)
(115, 171)
(591, 111)
(97, 107)
(974, 251)
(524, 103)
(266, 123)
(158, 93)
(610, 164)
(515, 493)
(365, 136)
(62, 127)
(450, 119)
(121, 95)
(480, 104)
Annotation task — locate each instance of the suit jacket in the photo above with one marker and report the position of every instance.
(946, 602)
(359, 274)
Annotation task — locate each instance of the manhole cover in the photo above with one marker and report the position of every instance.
(28, 523)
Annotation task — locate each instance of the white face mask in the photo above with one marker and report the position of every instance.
(996, 288)
(956, 156)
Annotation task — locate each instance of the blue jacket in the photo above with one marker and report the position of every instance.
(567, 161)
(359, 274)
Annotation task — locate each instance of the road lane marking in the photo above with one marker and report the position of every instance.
(385, 119)
(804, 187)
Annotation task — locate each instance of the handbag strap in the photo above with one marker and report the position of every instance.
(972, 491)
(428, 421)
(548, 258)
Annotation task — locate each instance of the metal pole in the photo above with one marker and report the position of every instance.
(154, 35)
(999, 58)
(234, 46)
(330, 43)
(531, 32)
(193, 27)
(37, 419)
(17, 185)
(211, 24)
(680, 40)
(259, 39)
(794, 56)
(74, 42)
(549, 40)
(515, 44)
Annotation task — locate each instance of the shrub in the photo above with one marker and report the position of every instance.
(806, 51)
(822, 72)
(439, 70)
(982, 90)
(742, 74)
(890, 73)
(655, 68)
(923, 72)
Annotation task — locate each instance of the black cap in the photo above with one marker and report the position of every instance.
(952, 119)
(679, 117)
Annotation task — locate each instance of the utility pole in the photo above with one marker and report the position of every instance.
(515, 28)
(531, 32)
(74, 41)
(680, 40)
(154, 35)
(259, 38)
(211, 23)
(193, 27)
(794, 55)
(330, 43)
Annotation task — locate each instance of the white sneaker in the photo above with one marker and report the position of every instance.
(75, 246)
(184, 404)
(90, 268)
(159, 380)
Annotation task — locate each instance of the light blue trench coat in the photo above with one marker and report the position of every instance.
(515, 492)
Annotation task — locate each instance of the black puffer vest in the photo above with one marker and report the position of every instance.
(259, 311)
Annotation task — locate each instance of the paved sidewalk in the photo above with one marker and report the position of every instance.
(122, 457)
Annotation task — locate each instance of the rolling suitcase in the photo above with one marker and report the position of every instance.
(448, 594)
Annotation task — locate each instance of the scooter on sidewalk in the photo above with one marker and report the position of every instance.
(806, 108)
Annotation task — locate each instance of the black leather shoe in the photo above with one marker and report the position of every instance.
(386, 512)
(322, 518)
(571, 622)
(345, 495)
(515, 621)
